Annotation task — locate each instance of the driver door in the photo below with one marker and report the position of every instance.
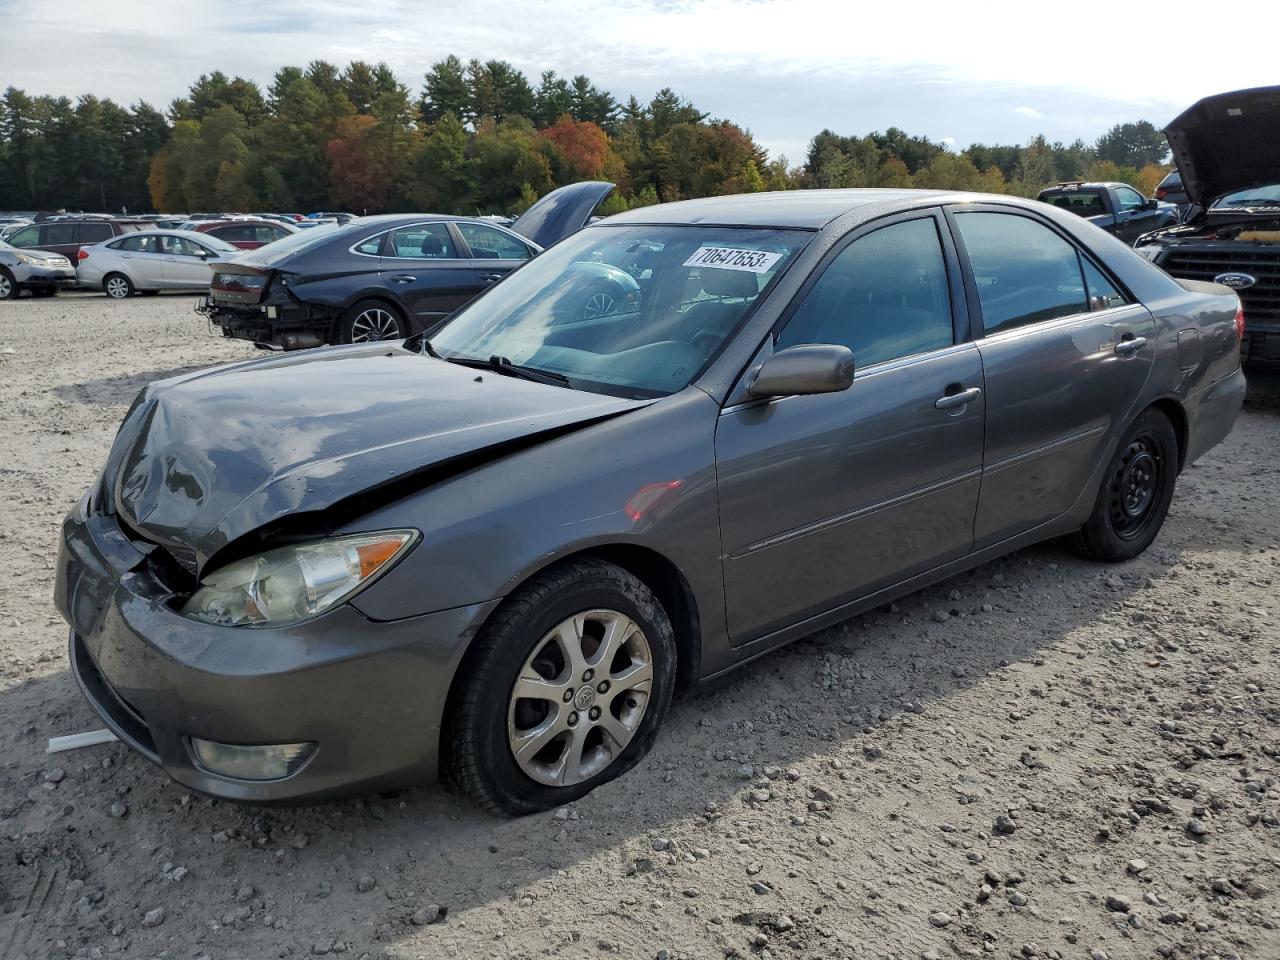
(827, 499)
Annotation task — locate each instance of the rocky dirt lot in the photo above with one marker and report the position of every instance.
(1041, 758)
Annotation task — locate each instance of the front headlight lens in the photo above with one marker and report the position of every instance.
(34, 261)
(292, 584)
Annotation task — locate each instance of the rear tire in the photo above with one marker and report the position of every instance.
(370, 321)
(9, 288)
(117, 286)
(1135, 493)
(589, 715)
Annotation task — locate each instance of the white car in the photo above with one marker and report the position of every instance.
(149, 261)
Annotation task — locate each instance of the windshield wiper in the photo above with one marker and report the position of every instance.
(504, 366)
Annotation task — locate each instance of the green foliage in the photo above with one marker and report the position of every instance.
(477, 138)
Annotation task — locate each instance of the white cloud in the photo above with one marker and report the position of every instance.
(1029, 112)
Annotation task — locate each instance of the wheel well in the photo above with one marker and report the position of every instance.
(1178, 417)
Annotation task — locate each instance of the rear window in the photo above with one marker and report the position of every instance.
(1083, 203)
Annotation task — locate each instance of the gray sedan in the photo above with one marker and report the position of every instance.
(148, 261)
(40, 272)
(499, 548)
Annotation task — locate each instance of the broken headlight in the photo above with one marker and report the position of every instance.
(291, 584)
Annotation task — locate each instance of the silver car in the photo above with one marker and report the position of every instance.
(149, 261)
(41, 272)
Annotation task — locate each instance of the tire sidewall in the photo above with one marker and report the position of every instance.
(1156, 425)
(14, 289)
(514, 789)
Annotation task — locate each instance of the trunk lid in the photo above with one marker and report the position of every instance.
(1227, 142)
(561, 212)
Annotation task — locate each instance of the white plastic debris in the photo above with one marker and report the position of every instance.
(74, 741)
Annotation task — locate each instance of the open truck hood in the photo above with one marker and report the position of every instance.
(204, 459)
(561, 212)
(1227, 142)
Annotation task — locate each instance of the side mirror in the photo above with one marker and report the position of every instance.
(804, 369)
(1151, 205)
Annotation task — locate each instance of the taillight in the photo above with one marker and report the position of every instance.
(83, 254)
(1161, 193)
(1240, 322)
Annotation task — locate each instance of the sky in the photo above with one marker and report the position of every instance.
(784, 69)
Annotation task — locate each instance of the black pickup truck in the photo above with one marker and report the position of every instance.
(1115, 207)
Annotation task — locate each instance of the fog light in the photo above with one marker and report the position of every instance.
(272, 761)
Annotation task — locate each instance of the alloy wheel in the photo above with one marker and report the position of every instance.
(375, 324)
(580, 697)
(118, 288)
(599, 305)
(6, 287)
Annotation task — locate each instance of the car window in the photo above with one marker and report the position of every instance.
(266, 234)
(234, 233)
(95, 232)
(1083, 203)
(180, 247)
(130, 227)
(26, 237)
(372, 246)
(1129, 199)
(140, 244)
(486, 243)
(1024, 272)
(423, 241)
(1100, 289)
(884, 296)
(55, 233)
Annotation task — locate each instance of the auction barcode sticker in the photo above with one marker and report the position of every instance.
(733, 258)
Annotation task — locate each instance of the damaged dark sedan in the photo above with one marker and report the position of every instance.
(1225, 147)
(496, 552)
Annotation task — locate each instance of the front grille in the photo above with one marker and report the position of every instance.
(1261, 301)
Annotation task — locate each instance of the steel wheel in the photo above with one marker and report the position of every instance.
(375, 323)
(599, 305)
(7, 287)
(580, 697)
(1135, 485)
(117, 287)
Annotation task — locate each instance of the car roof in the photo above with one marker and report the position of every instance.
(1070, 186)
(803, 209)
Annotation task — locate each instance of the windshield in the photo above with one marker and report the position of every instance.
(1268, 196)
(635, 311)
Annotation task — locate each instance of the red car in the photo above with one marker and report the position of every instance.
(245, 234)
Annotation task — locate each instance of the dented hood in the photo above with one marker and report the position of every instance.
(1227, 143)
(204, 459)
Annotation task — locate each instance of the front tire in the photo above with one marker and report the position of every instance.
(9, 288)
(117, 286)
(1135, 494)
(370, 321)
(564, 690)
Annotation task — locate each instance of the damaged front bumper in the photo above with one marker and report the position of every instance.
(369, 696)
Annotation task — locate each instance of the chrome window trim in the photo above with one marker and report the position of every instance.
(406, 226)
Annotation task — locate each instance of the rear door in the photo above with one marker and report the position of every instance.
(1065, 353)
(494, 253)
(424, 268)
(826, 499)
(142, 259)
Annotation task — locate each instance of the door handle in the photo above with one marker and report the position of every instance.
(954, 401)
(491, 278)
(403, 278)
(1130, 345)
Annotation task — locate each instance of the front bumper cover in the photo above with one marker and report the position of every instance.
(370, 694)
(48, 278)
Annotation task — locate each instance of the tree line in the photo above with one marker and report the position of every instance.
(479, 137)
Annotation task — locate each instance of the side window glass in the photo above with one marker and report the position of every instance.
(1025, 273)
(138, 245)
(487, 243)
(26, 237)
(423, 241)
(56, 233)
(371, 246)
(178, 247)
(1103, 294)
(1129, 199)
(94, 232)
(884, 296)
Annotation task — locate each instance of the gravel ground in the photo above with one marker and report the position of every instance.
(1041, 758)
